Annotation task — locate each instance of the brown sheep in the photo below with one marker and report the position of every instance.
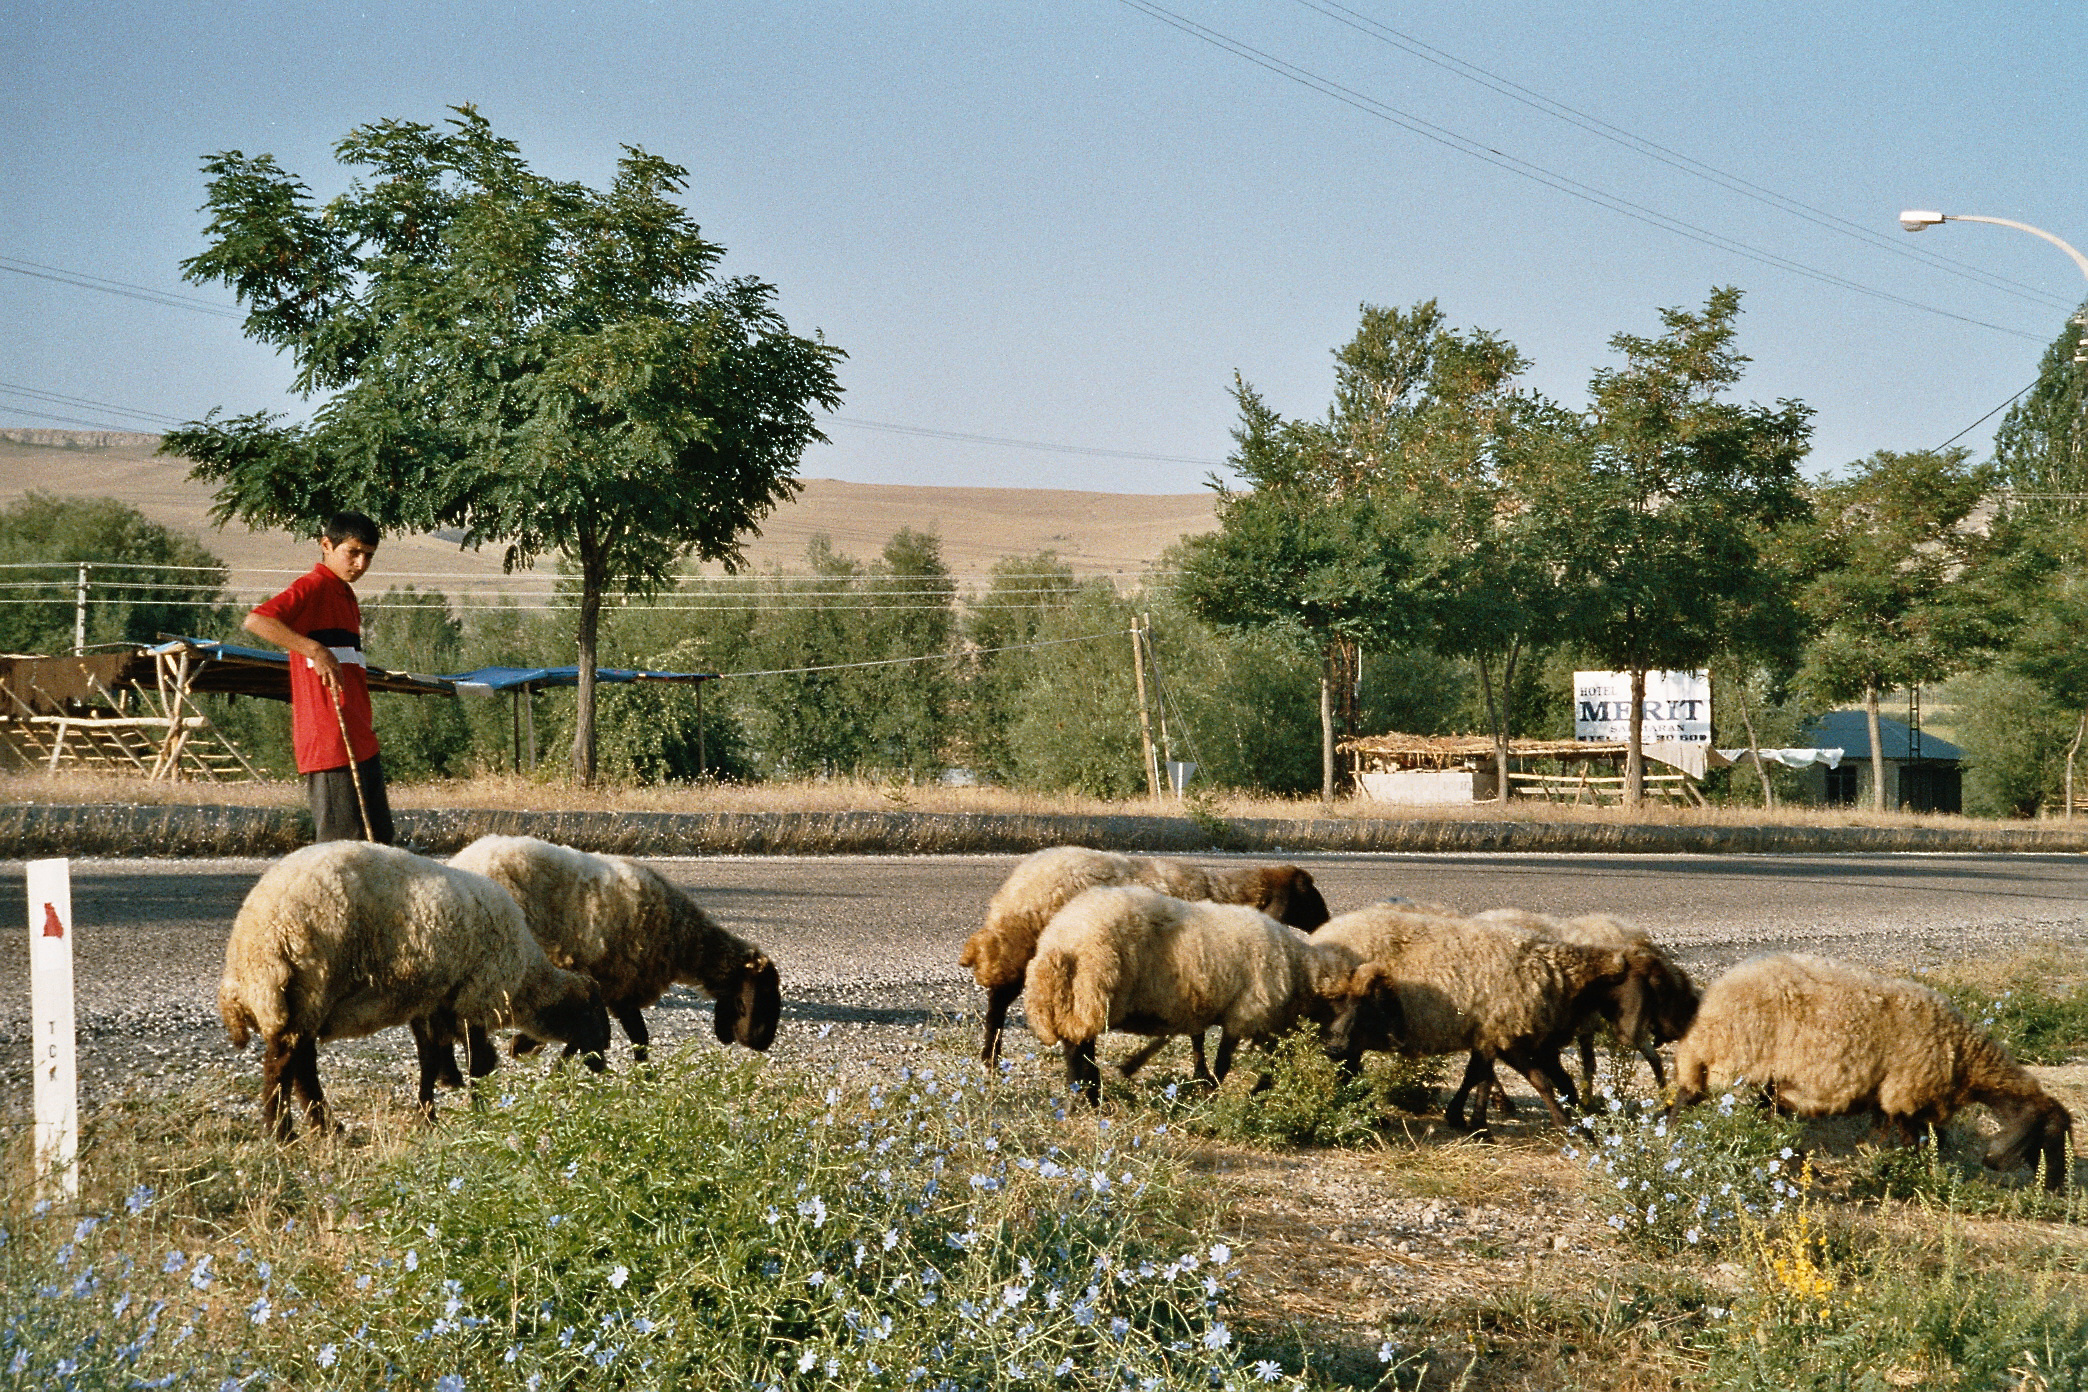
(1498, 992)
(1824, 1038)
(1044, 882)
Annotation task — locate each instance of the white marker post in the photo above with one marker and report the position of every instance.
(57, 1095)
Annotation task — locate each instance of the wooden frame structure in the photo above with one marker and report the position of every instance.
(100, 715)
(1576, 781)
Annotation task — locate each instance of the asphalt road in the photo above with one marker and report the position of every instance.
(870, 943)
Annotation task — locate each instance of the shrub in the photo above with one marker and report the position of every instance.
(1690, 1183)
(1297, 1096)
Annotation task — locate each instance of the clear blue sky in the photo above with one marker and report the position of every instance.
(1071, 223)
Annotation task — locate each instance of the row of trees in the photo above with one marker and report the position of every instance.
(1439, 505)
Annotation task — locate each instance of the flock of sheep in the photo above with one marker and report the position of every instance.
(343, 939)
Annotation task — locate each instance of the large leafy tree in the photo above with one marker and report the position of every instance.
(1887, 558)
(1668, 509)
(549, 367)
(143, 580)
(2041, 447)
(1387, 521)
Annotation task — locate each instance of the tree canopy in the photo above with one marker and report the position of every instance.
(545, 366)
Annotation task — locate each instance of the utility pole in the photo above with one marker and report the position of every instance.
(80, 614)
(1145, 720)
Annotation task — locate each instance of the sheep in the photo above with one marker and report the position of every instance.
(1601, 930)
(1044, 882)
(345, 938)
(1130, 958)
(1825, 1038)
(1497, 992)
(622, 924)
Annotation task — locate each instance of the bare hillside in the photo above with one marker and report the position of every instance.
(1097, 533)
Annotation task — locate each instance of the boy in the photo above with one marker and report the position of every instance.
(319, 622)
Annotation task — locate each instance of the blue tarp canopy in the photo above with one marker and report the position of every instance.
(488, 681)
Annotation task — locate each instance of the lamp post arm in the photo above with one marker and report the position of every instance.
(2078, 258)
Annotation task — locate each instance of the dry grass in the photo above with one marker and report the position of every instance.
(864, 795)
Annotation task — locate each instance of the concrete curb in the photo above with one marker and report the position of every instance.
(30, 830)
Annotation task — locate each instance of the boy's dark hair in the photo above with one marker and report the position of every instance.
(351, 526)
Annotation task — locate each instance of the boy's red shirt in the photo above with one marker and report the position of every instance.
(321, 605)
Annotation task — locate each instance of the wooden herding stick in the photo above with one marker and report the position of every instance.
(354, 775)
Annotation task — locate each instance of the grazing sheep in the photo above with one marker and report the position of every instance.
(1601, 930)
(345, 938)
(1043, 883)
(1824, 1038)
(1130, 958)
(635, 934)
(1498, 992)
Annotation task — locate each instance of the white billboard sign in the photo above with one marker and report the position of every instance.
(1678, 707)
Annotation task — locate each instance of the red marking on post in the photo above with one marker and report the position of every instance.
(52, 927)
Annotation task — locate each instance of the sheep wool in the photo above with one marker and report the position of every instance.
(345, 938)
(1043, 883)
(1502, 992)
(622, 924)
(1826, 1038)
(1127, 957)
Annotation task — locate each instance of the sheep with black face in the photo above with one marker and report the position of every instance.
(622, 924)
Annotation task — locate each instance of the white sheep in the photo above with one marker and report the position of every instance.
(1130, 958)
(1824, 1038)
(345, 938)
(1601, 930)
(1496, 992)
(1044, 882)
(621, 923)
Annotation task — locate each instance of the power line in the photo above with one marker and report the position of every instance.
(81, 280)
(1897, 244)
(1087, 450)
(1983, 420)
(1573, 188)
(59, 398)
(930, 657)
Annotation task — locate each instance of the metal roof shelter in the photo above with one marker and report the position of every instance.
(519, 682)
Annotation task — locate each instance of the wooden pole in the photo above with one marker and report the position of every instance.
(1145, 722)
(354, 774)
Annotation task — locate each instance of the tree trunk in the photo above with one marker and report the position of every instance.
(2071, 750)
(593, 577)
(1870, 714)
(1635, 751)
(1327, 728)
(1754, 745)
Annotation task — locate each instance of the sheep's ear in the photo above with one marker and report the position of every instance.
(761, 990)
(731, 1003)
(1369, 977)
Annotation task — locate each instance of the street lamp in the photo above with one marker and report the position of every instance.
(1919, 219)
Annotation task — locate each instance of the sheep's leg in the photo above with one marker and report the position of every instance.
(1479, 1076)
(1083, 1075)
(525, 1045)
(1548, 1076)
(437, 1064)
(1587, 1055)
(480, 1057)
(304, 1072)
(1227, 1045)
(998, 999)
(1652, 1057)
(634, 1028)
(1196, 1051)
(275, 1062)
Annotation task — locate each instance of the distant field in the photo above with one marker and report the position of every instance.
(1096, 533)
